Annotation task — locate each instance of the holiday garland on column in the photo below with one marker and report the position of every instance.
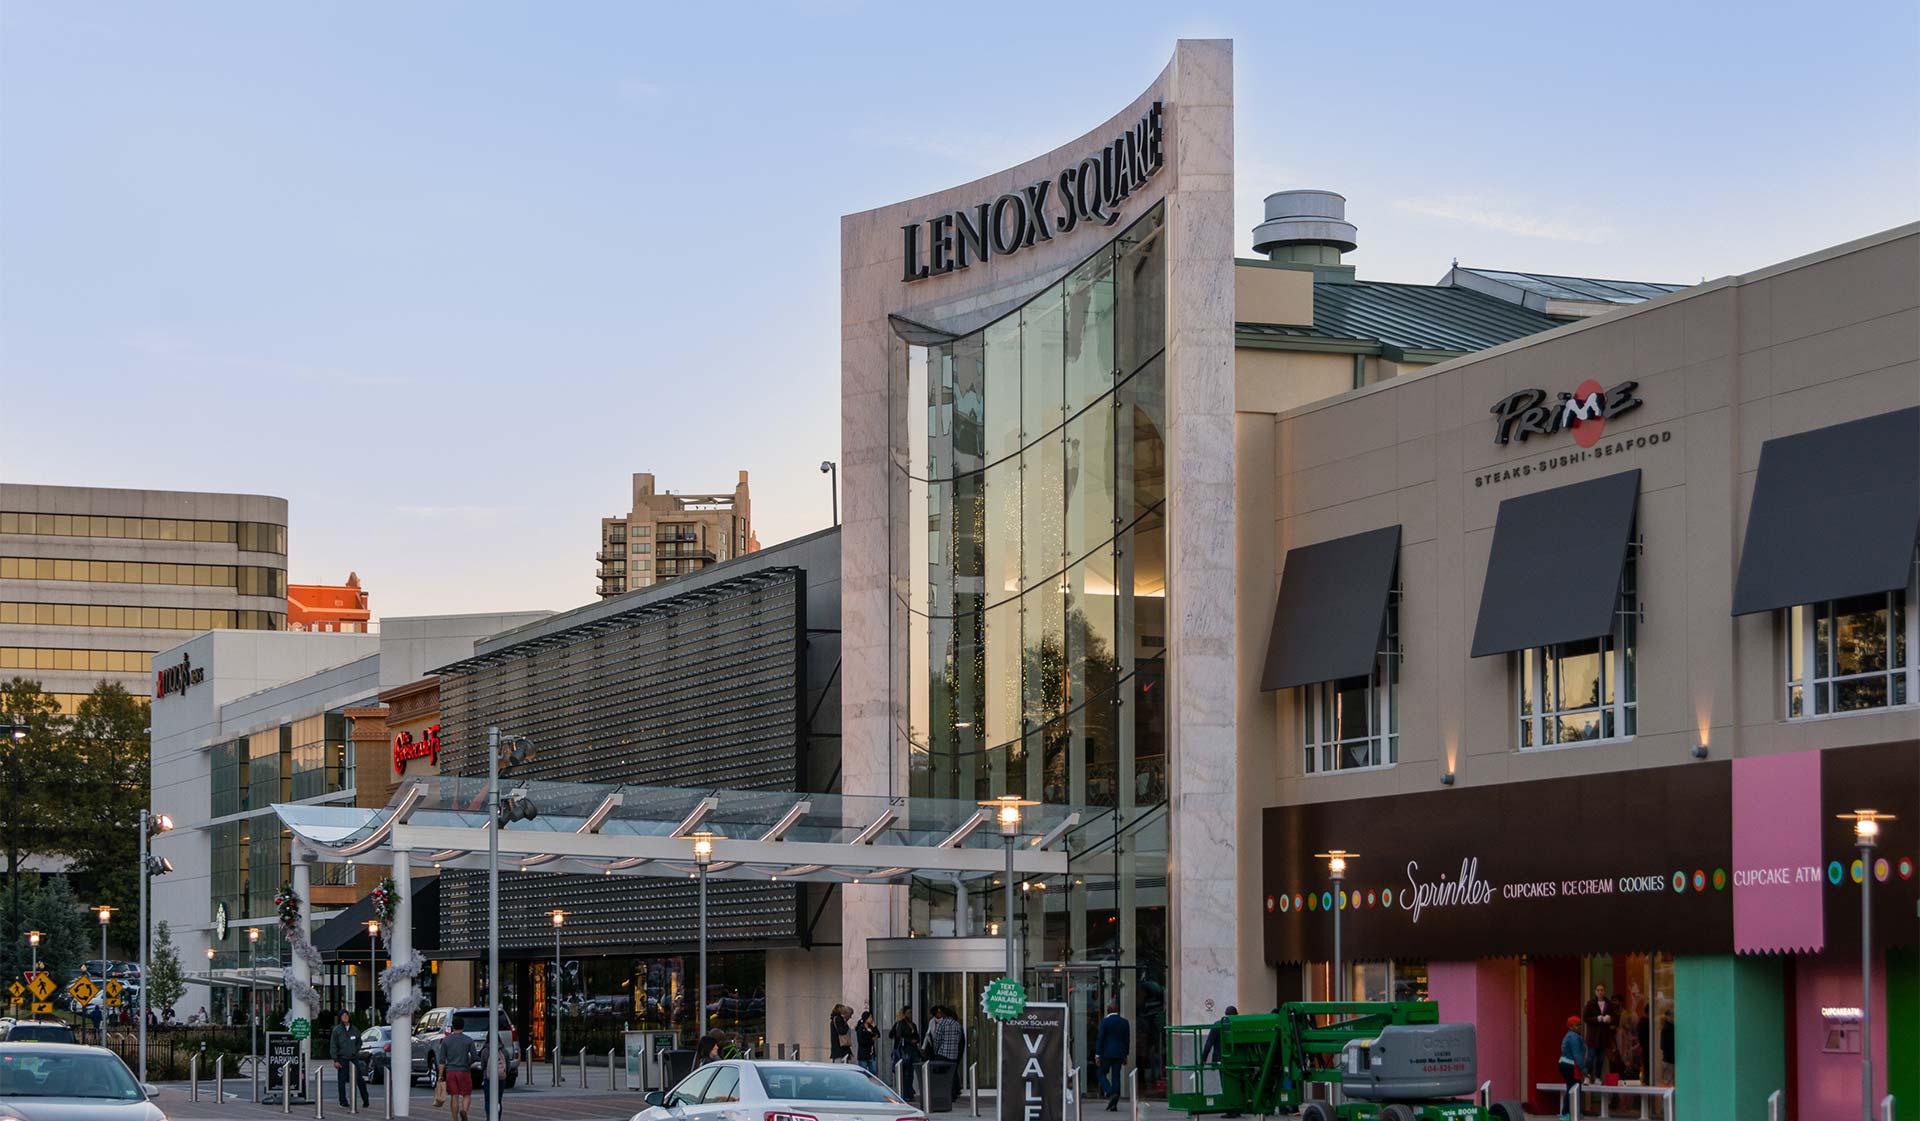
(386, 901)
(288, 906)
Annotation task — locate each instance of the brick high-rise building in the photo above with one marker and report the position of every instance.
(668, 535)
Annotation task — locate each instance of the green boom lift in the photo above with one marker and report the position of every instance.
(1392, 1060)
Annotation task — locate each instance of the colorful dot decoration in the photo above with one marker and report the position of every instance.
(1880, 870)
(1834, 872)
(1679, 881)
(1286, 903)
(1719, 879)
(1858, 871)
(1699, 880)
(1326, 901)
(1906, 867)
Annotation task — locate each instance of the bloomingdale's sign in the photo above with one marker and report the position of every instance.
(1090, 191)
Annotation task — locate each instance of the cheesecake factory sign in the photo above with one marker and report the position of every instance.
(1089, 192)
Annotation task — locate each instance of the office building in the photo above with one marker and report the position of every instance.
(668, 535)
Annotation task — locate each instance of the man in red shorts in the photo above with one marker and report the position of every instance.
(456, 1066)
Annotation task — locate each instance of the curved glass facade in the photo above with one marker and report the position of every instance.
(1029, 592)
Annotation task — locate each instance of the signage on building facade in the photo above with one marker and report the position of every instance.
(1661, 858)
(406, 748)
(1089, 192)
(220, 922)
(1585, 411)
(1033, 1055)
(177, 679)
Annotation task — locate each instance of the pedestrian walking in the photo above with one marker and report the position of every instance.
(906, 1049)
(840, 1034)
(1111, 1044)
(343, 1047)
(947, 1041)
(866, 1042)
(456, 1070)
(707, 1050)
(1576, 1062)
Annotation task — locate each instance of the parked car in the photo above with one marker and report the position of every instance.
(375, 1053)
(433, 1026)
(97, 968)
(60, 1082)
(35, 1031)
(739, 1089)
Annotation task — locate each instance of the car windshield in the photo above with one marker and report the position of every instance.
(40, 1033)
(823, 1084)
(81, 1074)
(475, 1022)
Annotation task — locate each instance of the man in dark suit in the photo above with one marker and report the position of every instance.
(1111, 1044)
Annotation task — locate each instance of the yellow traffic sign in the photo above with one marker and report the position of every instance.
(41, 1007)
(42, 987)
(111, 1001)
(114, 989)
(16, 991)
(83, 988)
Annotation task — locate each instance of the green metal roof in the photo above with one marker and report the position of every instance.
(1403, 318)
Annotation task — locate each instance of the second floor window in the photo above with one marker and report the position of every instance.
(1850, 655)
(1355, 722)
(1576, 692)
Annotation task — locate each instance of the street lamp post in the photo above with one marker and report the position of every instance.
(1866, 833)
(209, 984)
(15, 729)
(702, 856)
(253, 1007)
(829, 467)
(519, 750)
(373, 971)
(1007, 809)
(106, 913)
(151, 825)
(1337, 868)
(558, 917)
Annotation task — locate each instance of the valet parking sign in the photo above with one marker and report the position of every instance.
(1033, 1062)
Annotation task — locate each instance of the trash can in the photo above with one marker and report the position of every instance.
(940, 1086)
(676, 1065)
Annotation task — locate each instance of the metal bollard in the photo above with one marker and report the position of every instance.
(926, 1087)
(1776, 1108)
(611, 1052)
(900, 1078)
(388, 1089)
(973, 1086)
(193, 1078)
(583, 1069)
(1886, 1108)
(1133, 1092)
(1079, 1094)
(319, 1091)
(558, 1073)
(1486, 1094)
(286, 1087)
(220, 1079)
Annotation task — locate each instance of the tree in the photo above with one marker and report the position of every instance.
(65, 938)
(109, 748)
(37, 799)
(167, 982)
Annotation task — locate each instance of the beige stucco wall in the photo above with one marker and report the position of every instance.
(1723, 367)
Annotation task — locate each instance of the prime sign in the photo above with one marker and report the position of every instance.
(1586, 411)
(1089, 192)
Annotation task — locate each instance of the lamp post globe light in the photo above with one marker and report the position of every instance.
(1337, 870)
(829, 467)
(373, 971)
(253, 1003)
(702, 857)
(1866, 834)
(1007, 814)
(558, 916)
(33, 946)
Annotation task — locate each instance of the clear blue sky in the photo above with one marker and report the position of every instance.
(444, 274)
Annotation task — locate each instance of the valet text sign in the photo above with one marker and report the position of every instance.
(1033, 1064)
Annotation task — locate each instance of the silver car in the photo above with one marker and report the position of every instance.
(749, 1090)
(64, 1082)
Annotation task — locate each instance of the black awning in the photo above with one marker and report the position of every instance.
(1332, 609)
(345, 934)
(1554, 575)
(1835, 513)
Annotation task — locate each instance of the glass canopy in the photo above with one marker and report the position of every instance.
(649, 830)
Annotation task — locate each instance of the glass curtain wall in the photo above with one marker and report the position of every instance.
(1029, 569)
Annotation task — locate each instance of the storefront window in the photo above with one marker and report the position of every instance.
(1355, 722)
(1577, 692)
(1849, 655)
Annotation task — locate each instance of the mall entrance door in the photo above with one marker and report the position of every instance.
(919, 973)
(1084, 987)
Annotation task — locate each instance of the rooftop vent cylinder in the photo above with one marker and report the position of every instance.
(1305, 227)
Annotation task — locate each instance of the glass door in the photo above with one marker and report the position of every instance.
(892, 991)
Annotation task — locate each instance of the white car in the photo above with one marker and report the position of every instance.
(64, 1082)
(749, 1090)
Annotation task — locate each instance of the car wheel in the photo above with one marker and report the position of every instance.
(433, 1075)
